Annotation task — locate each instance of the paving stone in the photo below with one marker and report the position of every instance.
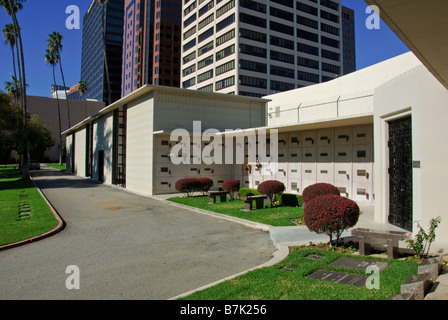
(315, 257)
(419, 285)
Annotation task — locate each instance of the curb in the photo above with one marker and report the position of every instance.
(281, 253)
(57, 229)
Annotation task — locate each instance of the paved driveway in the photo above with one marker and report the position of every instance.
(126, 247)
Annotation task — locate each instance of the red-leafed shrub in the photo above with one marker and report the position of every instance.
(271, 188)
(231, 186)
(319, 189)
(205, 184)
(330, 215)
(188, 185)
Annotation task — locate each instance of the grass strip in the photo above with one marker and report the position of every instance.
(288, 280)
(276, 216)
(13, 192)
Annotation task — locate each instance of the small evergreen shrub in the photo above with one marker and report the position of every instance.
(331, 215)
(205, 184)
(319, 189)
(188, 185)
(270, 188)
(245, 191)
(231, 186)
(291, 200)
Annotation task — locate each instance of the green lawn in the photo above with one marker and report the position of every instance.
(288, 280)
(277, 216)
(13, 192)
(57, 166)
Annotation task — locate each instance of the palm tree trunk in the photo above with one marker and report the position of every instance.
(59, 116)
(66, 98)
(106, 65)
(25, 167)
(16, 97)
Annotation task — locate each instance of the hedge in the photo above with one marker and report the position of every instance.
(330, 214)
(292, 200)
(231, 186)
(319, 189)
(245, 191)
(270, 188)
(190, 185)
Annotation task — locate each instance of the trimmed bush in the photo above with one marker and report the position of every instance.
(205, 184)
(231, 186)
(188, 185)
(292, 200)
(270, 188)
(319, 189)
(330, 215)
(245, 191)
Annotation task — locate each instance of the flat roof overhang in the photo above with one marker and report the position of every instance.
(423, 28)
(146, 89)
(322, 124)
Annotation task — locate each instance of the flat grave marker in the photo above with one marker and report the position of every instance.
(339, 277)
(359, 263)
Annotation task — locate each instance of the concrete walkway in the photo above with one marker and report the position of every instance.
(126, 247)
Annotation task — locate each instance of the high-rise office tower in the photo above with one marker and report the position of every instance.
(257, 48)
(151, 43)
(93, 68)
(348, 40)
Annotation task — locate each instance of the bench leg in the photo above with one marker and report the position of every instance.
(259, 203)
(223, 197)
(248, 205)
(392, 249)
(212, 199)
(364, 246)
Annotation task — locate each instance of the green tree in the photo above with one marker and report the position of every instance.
(51, 58)
(10, 38)
(11, 137)
(12, 7)
(83, 87)
(106, 65)
(54, 43)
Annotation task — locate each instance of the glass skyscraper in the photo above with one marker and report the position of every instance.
(93, 61)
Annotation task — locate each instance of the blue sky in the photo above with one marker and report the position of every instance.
(39, 18)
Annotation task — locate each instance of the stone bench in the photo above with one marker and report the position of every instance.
(221, 194)
(259, 202)
(366, 236)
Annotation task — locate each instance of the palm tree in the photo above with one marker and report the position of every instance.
(10, 38)
(106, 66)
(11, 87)
(83, 87)
(54, 43)
(12, 7)
(51, 58)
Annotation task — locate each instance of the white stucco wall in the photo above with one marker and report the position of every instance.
(80, 153)
(139, 145)
(419, 94)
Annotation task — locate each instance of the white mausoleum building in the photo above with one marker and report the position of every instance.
(377, 134)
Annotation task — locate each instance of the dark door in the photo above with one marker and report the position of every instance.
(400, 172)
(101, 165)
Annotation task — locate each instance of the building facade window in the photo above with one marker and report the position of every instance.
(253, 66)
(225, 67)
(225, 83)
